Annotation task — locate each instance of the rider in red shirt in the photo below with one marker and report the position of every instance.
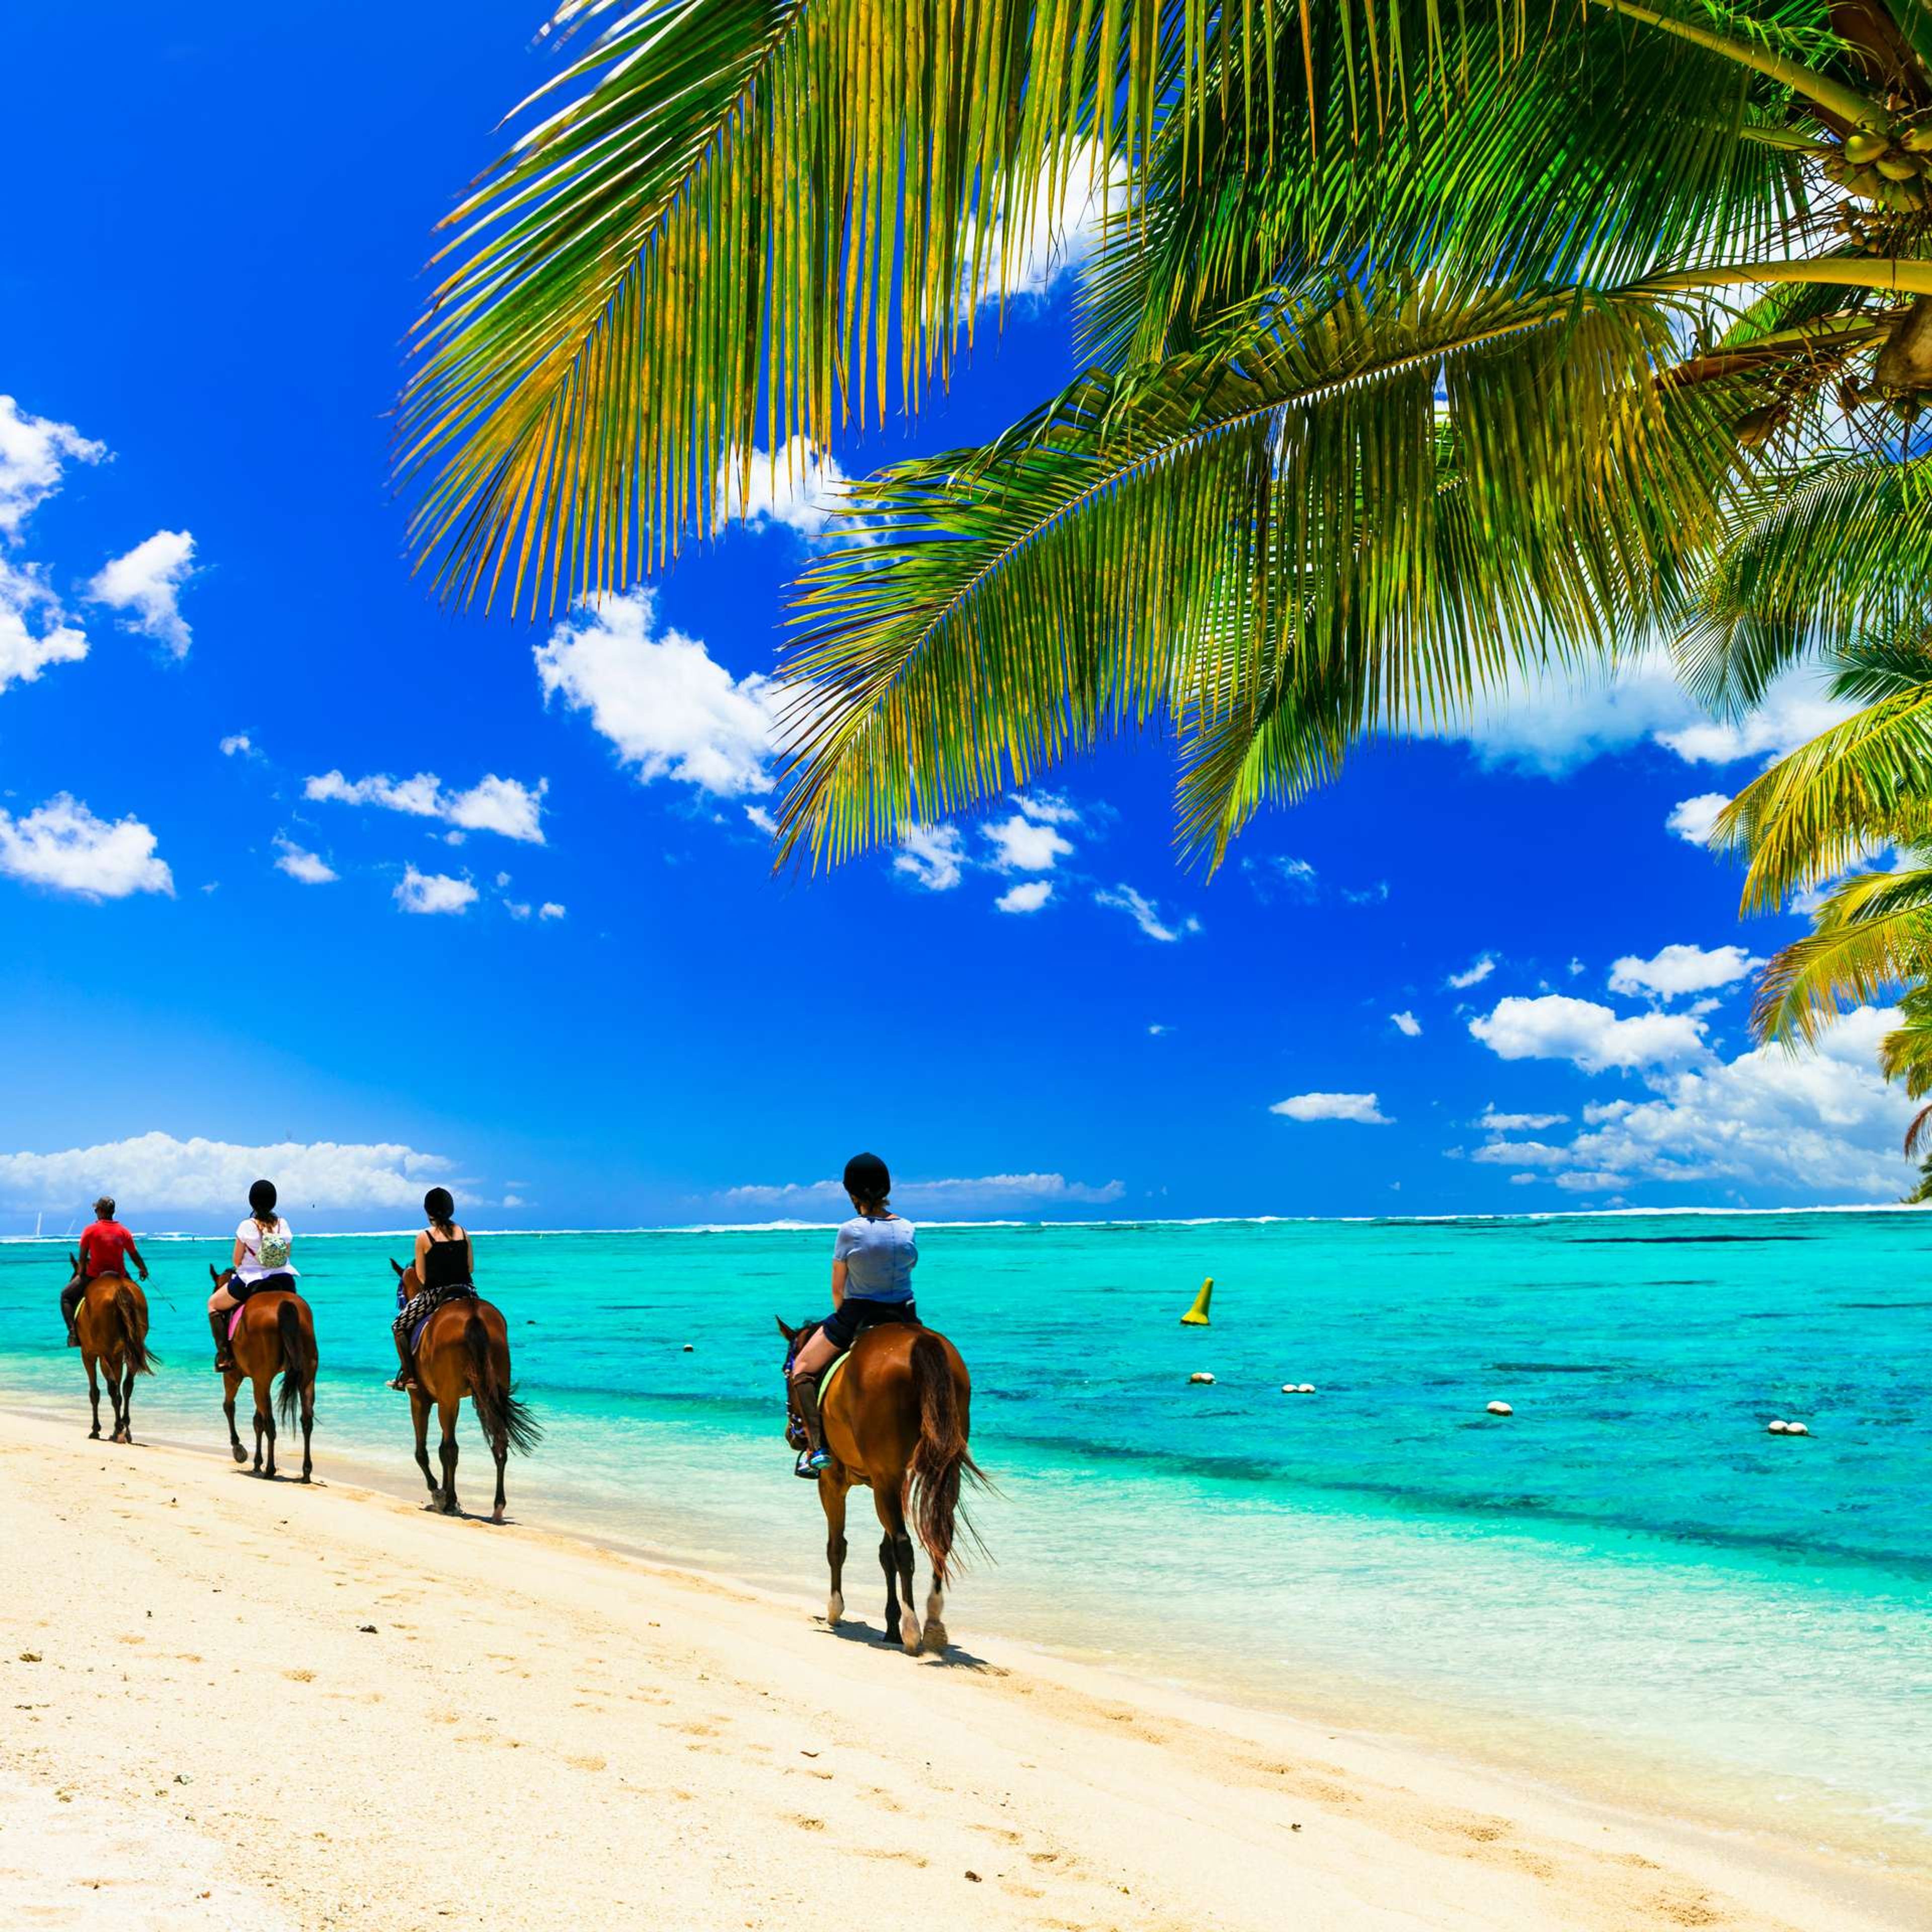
(106, 1248)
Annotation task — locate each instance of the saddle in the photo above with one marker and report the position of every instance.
(446, 1295)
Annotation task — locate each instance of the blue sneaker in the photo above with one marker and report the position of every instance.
(810, 1461)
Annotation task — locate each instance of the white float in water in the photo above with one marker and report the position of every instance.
(1201, 1375)
(1796, 1429)
(1501, 1409)
(1777, 1426)
(1298, 1388)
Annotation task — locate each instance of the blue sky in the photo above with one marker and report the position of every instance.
(549, 963)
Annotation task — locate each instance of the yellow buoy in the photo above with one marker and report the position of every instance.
(1196, 1317)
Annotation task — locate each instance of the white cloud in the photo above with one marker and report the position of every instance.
(1576, 967)
(502, 805)
(1693, 819)
(762, 820)
(667, 706)
(237, 745)
(1407, 1023)
(34, 452)
(1584, 1182)
(1358, 1107)
(1555, 1027)
(434, 891)
(985, 1191)
(302, 865)
(1157, 1027)
(1553, 724)
(1054, 230)
(802, 487)
(550, 909)
(62, 845)
(1022, 843)
(26, 650)
(1490, 1121)
(148, 583)
(156, 1170)
(932, 856)
(1813, 1121)
(1028, 897)
(1145, 913)
(1268, 872)
(1680, 969)
(514, 1201)
(1524, 1153)
(1475, 974)
(517, 908)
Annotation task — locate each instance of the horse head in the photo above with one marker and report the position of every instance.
(74, 1260)
(220, 1277)
(790, 1335)
(406, 1277)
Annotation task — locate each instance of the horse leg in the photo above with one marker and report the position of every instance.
(112, 1368)
(499, 1448)
(88, 1358)
(832, 1494)
(895, 1559)
(419, 1415)
(127, 1406)
(446, 1414)
(308, 1426)
(230, 1382)
(265, 1427)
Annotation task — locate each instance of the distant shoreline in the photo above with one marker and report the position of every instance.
(1122, 1221)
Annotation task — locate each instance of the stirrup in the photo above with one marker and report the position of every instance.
(809, 1463)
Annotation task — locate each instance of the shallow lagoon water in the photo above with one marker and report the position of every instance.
(1630, 1570)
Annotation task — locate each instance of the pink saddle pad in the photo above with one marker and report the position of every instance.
(235, 1319)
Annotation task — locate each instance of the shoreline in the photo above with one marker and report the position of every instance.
(1379, 1817)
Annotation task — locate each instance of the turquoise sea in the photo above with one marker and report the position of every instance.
(1629, 1582)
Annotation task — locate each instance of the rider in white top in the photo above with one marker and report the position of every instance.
(261, 1260)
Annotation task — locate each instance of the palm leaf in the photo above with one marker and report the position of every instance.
(1872, 935)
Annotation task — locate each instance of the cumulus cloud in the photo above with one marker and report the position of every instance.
(550, 909)
(1360, 1107)
(155, 1171)
(302, 865)
(1273, 872)
(1407, 1023)
(1055, 229)
(1029, 896)
(1555, 1027)
(237, 745)
(1551, 724)
(1680, 969)
(434, 891)
(34, 453)
(1475, 973)
(1694, 819)
(985, 1192)
(147, 583)
(1494, 1122)
(669, 708)
(1025, 843)
(1145, 913)
(34, 632)
(1816, 1121)
(801, 488)
(505, 806)
(933, 856)
(63, 846)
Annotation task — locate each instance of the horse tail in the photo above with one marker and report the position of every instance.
(504, 1418)
(940, 1458)
(133, 1333)
(298, 1362)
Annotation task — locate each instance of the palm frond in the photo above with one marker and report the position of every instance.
(1872, 935)
(744, 213)
(1424, 484)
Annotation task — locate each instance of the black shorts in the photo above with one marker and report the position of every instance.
(240, 1290)
(849, 1322)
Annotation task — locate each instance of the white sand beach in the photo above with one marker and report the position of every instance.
(200, 1727)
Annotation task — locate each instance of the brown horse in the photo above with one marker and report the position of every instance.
(276, 1335)
(895, 1419)
(465, 1351)
(112, 1321)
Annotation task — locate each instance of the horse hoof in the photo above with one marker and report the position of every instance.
(241, 1455)
(496, 1515)
(934, 1640)
(834, 1609)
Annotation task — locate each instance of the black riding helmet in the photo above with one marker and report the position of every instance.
(261, 1199)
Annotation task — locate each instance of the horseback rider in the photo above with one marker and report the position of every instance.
(261, 1260)
(873, 1256)
(106, 1248)
(443, 1269)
